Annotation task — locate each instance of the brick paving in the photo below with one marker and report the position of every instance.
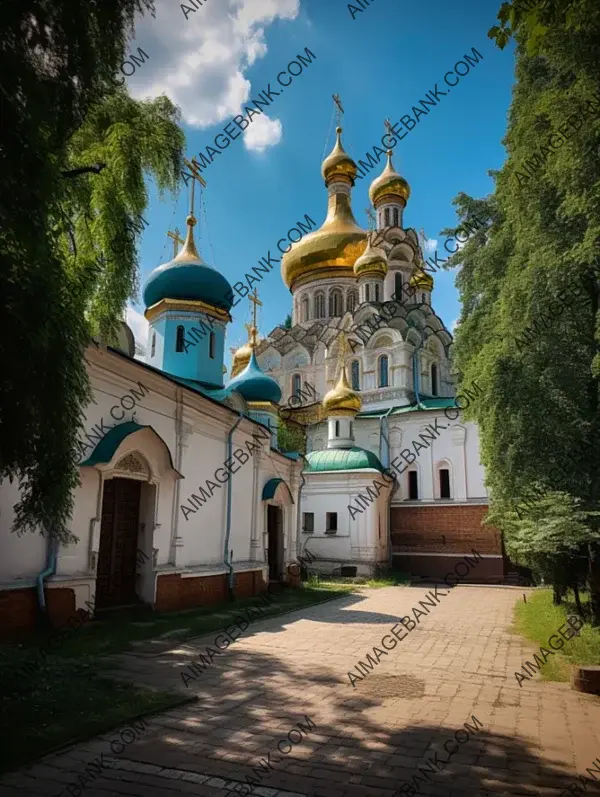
(458, 662)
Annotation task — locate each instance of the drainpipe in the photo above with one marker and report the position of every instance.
(50, 570)
(382, 437)
(299, 511)
(226, 556)
(416, 372)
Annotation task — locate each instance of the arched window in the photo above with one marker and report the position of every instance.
(396, 217)
(383, 371)
(179, 339)
(211, 345)
(351, 301)
(444, 477)
(296, 384)
(398, 286)
(434, 380)
(153, 348)
(337, 428)
(423, 298)
(319, 305)
(355, 374)
(305, 308)
(367, 293)
(376, 291)
(335, 303)
(387, 217)
(413, 485)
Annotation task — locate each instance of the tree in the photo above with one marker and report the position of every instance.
(287, 324)
(291, 437)
(63, 113)
(530, 325)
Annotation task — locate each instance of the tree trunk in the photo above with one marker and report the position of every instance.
(556, 595)
(577, 599)
(594, 581)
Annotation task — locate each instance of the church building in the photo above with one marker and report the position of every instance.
(391, 474)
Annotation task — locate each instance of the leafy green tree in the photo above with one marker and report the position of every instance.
(291, 437)
(287, 324)
(530, 325)
(61, 115)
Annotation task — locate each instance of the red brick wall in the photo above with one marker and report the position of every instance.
(446, 530)
(19, 609)
(174, 593)
(488, 571)
(443, 529)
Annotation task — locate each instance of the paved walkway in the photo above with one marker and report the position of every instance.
(459, 661)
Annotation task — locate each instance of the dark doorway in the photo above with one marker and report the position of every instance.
(275, 535)
(115, 581)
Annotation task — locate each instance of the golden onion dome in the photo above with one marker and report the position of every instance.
(389, 184)
(338, 163)
(421, 281)
(372, 261)
(241, 358)
(342, 400)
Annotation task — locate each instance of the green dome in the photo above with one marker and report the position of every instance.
(342, 459)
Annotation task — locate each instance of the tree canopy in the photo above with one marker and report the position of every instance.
(530, 325)
(67, 238)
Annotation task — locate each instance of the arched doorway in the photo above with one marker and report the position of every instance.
(118, 547)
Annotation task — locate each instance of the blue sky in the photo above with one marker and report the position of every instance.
(381, 63)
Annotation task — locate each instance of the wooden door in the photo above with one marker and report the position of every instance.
(115, 581)
(274, 533)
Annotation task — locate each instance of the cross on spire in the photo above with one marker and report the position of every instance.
(252, 328)
(337, 100)
(388, 126)
(176, 240)
(193, 166)
(372, 218)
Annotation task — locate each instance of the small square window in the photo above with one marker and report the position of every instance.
(308, 522)
(331, 523)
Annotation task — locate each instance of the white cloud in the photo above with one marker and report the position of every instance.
(454, 324)
(200, 62)
(263, 133)
(430, 245)
(139, 327)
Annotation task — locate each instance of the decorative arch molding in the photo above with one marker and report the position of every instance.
(384, 338)
(131, 451)
(278, 491)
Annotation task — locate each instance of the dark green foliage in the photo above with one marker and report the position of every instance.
(60, 112)
(530, 326)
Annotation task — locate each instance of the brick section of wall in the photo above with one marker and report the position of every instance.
(443, 529)
(174, 593)
(488, 571)
(19, 610)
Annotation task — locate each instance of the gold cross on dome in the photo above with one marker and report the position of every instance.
(388, 126)
(256, 302)
(194, 166)
(176, 240)
(337, 100)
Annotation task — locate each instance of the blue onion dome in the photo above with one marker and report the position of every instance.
(254, 385)
(188, 277)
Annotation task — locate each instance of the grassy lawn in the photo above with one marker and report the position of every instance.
(391, 579)
(66, 697)
(538, 619)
